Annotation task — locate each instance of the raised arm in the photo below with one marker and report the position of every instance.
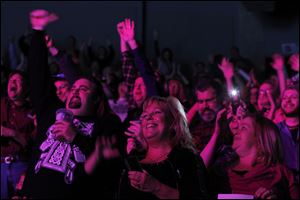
(39, 75)
(192, 112)
(128, 68)
(278, 65)
(228, 72)
(209, 149)
(294, 62)
(141, 62)
(64, 61)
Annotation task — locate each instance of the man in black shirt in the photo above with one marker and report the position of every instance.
(57, 167)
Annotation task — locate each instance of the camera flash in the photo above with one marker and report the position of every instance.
(234, 93)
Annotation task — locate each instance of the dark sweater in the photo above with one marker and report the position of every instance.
(182, 170)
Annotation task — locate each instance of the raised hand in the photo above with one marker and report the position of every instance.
(294, 62)
(136, 136)
(40, 18)
(49, 41)
(128, 30)
(218, 118)
(227, 68)
(120, 29)
(278, 62)
(52, 49)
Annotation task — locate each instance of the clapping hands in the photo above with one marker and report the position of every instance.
(106, 147)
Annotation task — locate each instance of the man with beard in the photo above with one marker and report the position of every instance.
(16, 133)
(289, 128)
(64, 143)
(202, 115)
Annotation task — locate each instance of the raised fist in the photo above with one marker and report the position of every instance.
(40, 18)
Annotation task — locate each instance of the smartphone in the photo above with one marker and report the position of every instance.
(235, 100)
(132, 164)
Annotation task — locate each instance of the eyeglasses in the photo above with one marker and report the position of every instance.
(293, 97)
(263, 92)
(152, 114)
(201, 101)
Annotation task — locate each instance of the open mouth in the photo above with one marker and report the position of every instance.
(13, 89)
(151, 125)
(235, 141)
(207, 112)
(75, 102)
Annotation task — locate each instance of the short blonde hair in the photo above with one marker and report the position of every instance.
(178, 130)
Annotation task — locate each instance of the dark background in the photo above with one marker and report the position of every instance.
(194, 30)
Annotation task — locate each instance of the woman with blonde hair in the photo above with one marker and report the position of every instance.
(171, 167)
(258, 169)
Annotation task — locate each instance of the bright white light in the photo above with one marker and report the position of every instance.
(234, 93)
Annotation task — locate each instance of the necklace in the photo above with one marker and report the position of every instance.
(153, 158)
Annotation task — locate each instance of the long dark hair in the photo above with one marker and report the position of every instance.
(102, 106)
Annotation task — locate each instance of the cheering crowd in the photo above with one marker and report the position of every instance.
(74, 125)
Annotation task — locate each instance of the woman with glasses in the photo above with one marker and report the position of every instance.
(170, 167)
